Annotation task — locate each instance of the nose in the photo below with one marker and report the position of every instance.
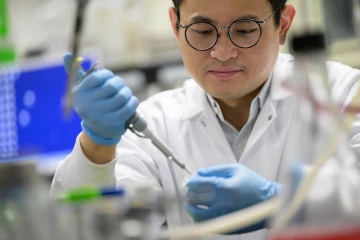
(224, 48)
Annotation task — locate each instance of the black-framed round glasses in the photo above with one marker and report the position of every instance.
(243, 33)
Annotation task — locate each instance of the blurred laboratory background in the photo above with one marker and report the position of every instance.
(133, 38)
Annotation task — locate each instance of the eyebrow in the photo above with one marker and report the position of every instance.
(200, 18)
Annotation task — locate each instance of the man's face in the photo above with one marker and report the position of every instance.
(226, 71)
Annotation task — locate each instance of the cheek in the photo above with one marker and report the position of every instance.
(272, 40)
(193, 60)
(189, 60)
(263, 55)
(269, 44)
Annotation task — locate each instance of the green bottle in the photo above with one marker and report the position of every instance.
(7, 51)
(4, 25)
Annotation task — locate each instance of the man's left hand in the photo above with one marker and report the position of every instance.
(223, 189)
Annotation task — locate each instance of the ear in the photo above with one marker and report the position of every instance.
(287, 17)
(173, 21)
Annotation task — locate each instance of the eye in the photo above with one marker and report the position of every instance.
(246, 31)
(203, 32)
(202, 29)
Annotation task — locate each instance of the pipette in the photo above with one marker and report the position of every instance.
(81, 6)
(137, 124)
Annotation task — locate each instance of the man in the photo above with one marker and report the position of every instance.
(233, 113)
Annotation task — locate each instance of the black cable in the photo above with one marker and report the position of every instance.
(81, 5)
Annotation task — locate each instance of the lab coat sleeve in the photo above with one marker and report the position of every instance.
(355, 128)
(345, 82)
(349, 85)
(76, 170)
(136, 165)
(131, 168)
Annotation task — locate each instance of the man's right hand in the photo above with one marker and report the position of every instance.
(104, 103)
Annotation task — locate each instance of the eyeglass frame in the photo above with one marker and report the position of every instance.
(258, 22)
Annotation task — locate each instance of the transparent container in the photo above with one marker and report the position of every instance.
(27, 212)
(131, 215)
(23, 203)
(320, 170)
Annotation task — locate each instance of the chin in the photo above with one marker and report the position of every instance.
(226, 92)
(225, 95)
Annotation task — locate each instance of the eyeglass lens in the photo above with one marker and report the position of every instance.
(203, 36)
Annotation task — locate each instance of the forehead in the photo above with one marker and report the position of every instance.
(224, 10)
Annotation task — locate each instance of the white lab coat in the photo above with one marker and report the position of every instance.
(185, 121)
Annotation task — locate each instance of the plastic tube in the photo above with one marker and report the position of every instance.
(90, 193)
(228, 223)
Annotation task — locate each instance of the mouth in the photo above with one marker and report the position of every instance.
(225, 74)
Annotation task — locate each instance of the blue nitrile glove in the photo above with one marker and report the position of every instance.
(104, 103)
(225, 189)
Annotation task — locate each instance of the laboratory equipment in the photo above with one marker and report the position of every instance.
(356, 17)
(90, 193)
(91, 70)
(319, 198)
(29, 90)
(23, 203)
(76, 65)
(137, 124)
(114, 213)
(3, 19)
(109, 131)
(8, 128)
(7, 51)
(26, 212)
(225, 224)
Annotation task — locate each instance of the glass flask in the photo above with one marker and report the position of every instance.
(127, 214)
(320, 171)
(23, 203)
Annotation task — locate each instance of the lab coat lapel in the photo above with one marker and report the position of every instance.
(274, 104)
(214, 132)
(198, 106)
(266, 117)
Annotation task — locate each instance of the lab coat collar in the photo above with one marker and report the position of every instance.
(197, 103)
(283, 75)
(256, 105)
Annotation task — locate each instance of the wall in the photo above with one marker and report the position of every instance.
(127, 32)
(345, 50)
(134, 32)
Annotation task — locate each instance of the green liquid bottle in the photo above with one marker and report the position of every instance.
(7, 51)
(4, 24)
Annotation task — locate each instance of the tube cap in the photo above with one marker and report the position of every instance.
(18, 173)
(308, 42)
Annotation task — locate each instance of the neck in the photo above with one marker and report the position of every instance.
(237, 111)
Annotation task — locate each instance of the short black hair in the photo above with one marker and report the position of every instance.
(276, 4)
